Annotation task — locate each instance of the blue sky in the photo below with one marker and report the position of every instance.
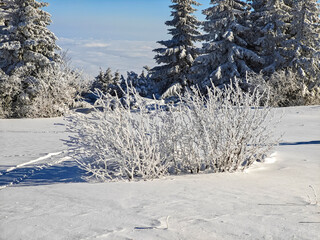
(111, 33)
(111, 19)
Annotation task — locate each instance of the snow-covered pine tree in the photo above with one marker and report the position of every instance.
(28, 61)
(117, 77)
(226, 53)
(141, 83)
(103, 80)
(288, 39)
(306, 41)
(5, 9)
(271, 21)
(107, 83)
(178, 54)
(25, 41)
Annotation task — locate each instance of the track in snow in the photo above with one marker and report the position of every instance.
(49, 155)
(33, 172)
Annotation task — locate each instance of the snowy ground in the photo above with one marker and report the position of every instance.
(43, 196)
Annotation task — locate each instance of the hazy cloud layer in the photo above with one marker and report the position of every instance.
(91, 55)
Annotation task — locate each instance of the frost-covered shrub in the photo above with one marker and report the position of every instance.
(118, 142)
(289, 89)
(224, 131)
(57, 90)
(49, 93)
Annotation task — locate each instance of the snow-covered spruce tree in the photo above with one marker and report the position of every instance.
(143, 83)
(6, 90)
(25, 40)
(288, 39)
(27, 48)
(226, 53)
(271, 21)
(178, 54)
(10, 87)
(306, 41)
(35, 81)
(116, 84)
(105, 80)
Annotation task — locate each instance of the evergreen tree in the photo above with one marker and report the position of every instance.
(271, 24)
(117, 77)
(287, 37)
(25, 41)
(27, 52)
(103, 80)
(178, 54)
(226, 53)
(306, 41)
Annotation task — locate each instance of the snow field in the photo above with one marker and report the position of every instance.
(271, 200)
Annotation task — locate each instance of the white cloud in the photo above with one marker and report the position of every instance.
(92, 55)
(96, 45)
(63, 40)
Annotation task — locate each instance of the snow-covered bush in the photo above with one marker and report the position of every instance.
(9, 92)
(289, 89)
(224, 131)
(58, 90)
(118, 142)
(49, 93)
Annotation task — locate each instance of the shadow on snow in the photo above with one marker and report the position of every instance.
(67, 172)
(35, 176)
(299, 143)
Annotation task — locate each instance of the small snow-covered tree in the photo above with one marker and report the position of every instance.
(226, 53)
(117, 77)
(104, 81)
(178, 54)
(143, 83)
